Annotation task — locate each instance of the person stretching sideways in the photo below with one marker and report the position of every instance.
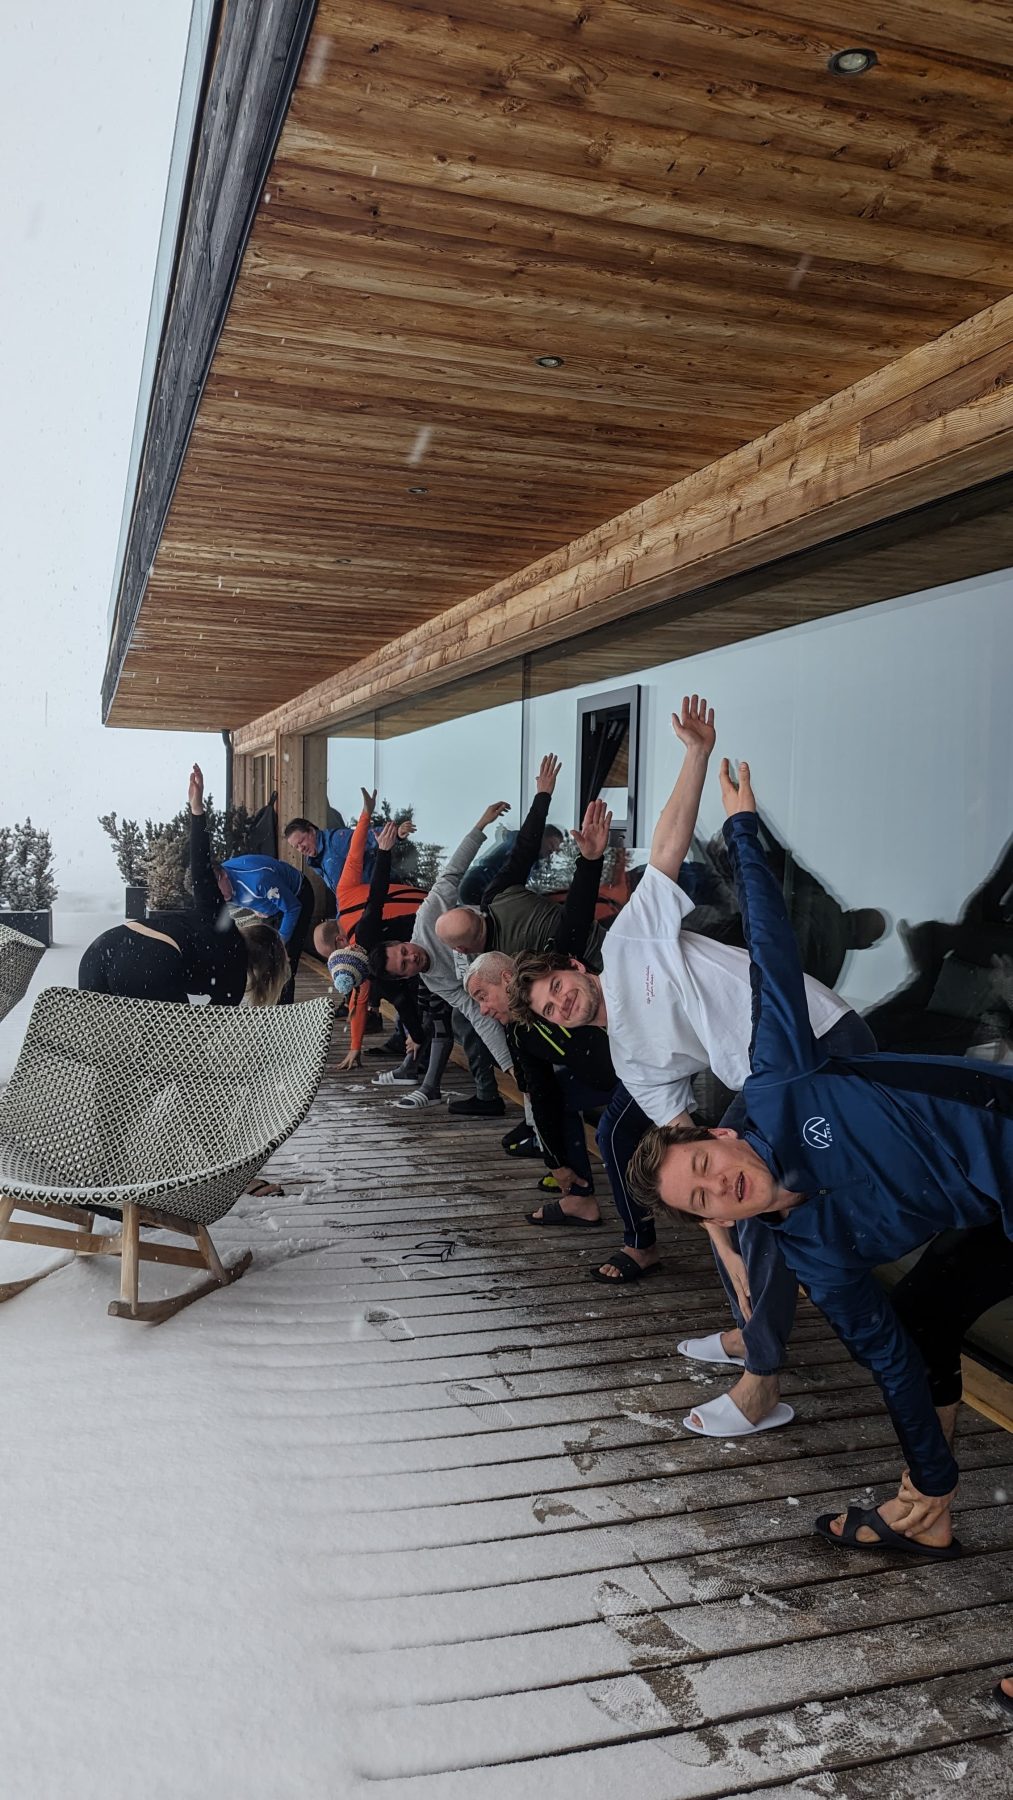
(511, 917)
(326, 851)
(854, 1162)
(440, 969)
(675, 1004)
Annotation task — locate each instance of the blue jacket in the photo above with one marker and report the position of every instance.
(332, 848)
(889, 1150)
(266, 886)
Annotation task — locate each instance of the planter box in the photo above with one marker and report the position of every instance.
(38, 925)
(136, 901)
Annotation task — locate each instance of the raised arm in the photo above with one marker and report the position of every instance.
(673, 834)
(582, 896)
(782, 1042)
(288, 901)
(351, 874)
(443, 893)
(367, 932)
(207, 897)
(514, 871)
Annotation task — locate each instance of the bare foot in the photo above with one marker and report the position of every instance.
(580, 1206)
(1007, 1686)
(642, 1257)
(733, 1343)
(893, 1513)
(754, 1395)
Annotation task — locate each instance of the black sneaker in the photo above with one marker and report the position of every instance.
(474, 1108)
(374, 1023)
(393, 1047)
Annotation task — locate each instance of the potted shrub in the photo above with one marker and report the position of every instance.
(27, 884)
(130, 848)
(167, 851)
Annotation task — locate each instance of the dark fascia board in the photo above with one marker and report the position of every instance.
(256, 56)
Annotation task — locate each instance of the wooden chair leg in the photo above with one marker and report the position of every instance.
(210, 1255)
(129, 1258)
(8, 1289)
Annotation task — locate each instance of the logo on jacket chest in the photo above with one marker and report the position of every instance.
(817, 1133)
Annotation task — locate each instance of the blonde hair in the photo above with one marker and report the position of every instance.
(267, 965)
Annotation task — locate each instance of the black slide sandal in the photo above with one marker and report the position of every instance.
(630, 1271)
(887, 1538)
(553, 1214)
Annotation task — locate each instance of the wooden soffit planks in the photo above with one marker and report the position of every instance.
(711, 230)
(936, 421)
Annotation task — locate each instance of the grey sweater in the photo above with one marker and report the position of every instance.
(447, 969)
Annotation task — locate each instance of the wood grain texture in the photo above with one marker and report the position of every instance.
(681, 201)
(805, 483)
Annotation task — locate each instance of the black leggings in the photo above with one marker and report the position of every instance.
(137, 967)
(960, 1276)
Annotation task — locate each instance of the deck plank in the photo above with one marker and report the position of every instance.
(540, 1584)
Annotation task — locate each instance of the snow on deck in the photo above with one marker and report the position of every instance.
(409, 1513)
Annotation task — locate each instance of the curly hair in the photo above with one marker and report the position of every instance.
(645, 1164)
(531, 966)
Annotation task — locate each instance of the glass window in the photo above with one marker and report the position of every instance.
(449, 754)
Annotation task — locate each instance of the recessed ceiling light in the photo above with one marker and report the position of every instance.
(549, 362)
(418, 490)
(852, 62)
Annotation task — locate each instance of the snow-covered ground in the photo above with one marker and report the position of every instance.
(409, 1513)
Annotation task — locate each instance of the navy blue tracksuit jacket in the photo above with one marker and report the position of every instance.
(889, 1150)
(265, 885)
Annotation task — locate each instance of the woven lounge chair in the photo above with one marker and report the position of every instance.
(19, 958)
(153, 1114)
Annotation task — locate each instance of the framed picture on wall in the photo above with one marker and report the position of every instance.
(608, 745)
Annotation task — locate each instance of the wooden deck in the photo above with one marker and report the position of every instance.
(542, 1585)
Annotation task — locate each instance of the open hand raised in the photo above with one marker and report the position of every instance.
(593, 835)
(694, 725)
(737, 799)
(492, 813)
(550, 767)
(195, 793)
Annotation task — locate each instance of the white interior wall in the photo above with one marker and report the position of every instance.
(879, 743)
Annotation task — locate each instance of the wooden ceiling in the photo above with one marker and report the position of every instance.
(709, 228)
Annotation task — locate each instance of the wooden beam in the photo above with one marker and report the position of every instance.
(256, 60)
(937, 420)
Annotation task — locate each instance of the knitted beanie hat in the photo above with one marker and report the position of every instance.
(348, 968)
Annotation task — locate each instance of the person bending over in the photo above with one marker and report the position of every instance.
(675, 1004)
(510, 916)
(853, 1162)
(428, 956)
(175, 954)
(491, 860)
(264, 885)
(326, 851)
(384, 916)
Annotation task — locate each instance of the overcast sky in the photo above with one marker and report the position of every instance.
(88, 95)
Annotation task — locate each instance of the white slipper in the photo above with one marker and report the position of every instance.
(412, 1102)
(709, 1350)
(721, 1418)
(391, 1078)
